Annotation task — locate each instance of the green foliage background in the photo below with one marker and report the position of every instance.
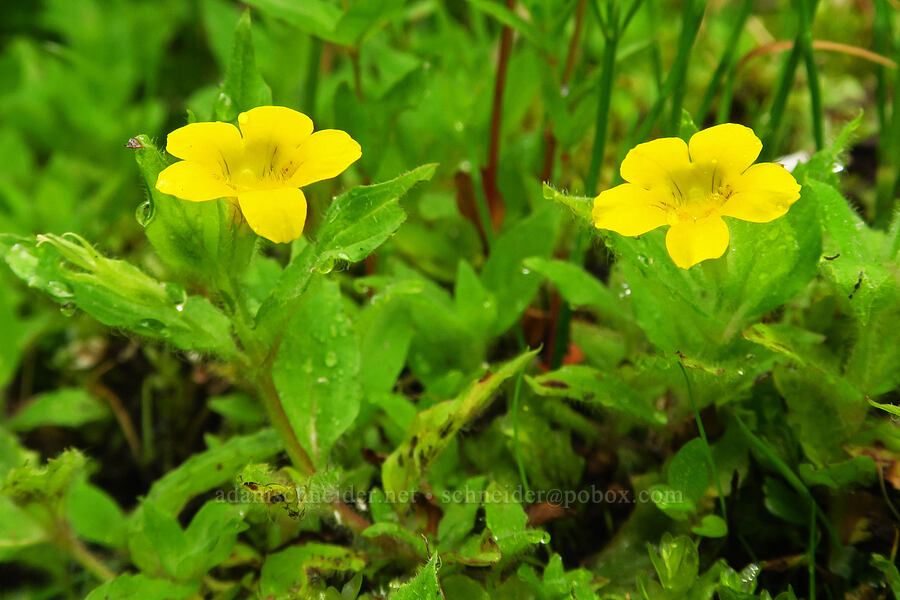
(451, 386)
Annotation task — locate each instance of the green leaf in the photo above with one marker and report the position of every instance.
(95, 516)
(891, 574)
(397, 532)
(594, 386)
(677, 563)
(687, 128)
(738, 586)
(460, 512)
(577, 286)
(689, 471)
(287, 573)
(117, 293)
(474, 304)
(244, 87)
(17, 528)
(238, 408)
(424, 586)
(859, 470)
(210, 537)
(888, 408)
(363, 17)
(785, 503)
(184, 234)
(189, 554)
(511, 20)
(142, 587)
(361, 219)
(42, 484)
(433, 429)
(316, 371)
(357, 222)
(512, 285)
(507, 521)
(316, 17)
(856, 263)
(65, 407)
(14, 330)
(385, 334)
(206, 470)
(711, 526)
(461, 587)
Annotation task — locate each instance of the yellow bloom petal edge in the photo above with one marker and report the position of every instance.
(260, 166)
(690, 187)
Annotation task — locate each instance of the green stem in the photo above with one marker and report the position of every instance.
(807, 9)
(613, 30)
(709, 455)
(691, 16)
(311, 81)
(89, 560)
(604, 97)
(727, 59)
(515, 414)
(642, 128)
(786, 472)
(259, 369)
(771, 142)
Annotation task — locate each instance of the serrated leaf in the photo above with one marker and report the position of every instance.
(361, 219)
(424, 586)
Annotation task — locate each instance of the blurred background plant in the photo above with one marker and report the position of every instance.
(504, 96)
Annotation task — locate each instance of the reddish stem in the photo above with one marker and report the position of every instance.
(549, 138)
(489, 174)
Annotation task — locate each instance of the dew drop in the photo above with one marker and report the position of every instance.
(142, 214)
(68, 309)
(330, 359)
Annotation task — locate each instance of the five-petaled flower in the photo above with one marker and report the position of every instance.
(261, 166)
(690, 187)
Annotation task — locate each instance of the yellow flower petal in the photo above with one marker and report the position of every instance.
(212, 144)
(763, 193)
(730, 146)
(691, 242)
(286, 125)
(272, 135)
(277, 215)
(656, 163)
(324, 154)
(628, 209)
(193, 181)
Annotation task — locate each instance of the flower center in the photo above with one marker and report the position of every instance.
(696, 193)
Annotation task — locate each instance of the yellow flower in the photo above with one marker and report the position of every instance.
(261, 166)
(690, 187)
